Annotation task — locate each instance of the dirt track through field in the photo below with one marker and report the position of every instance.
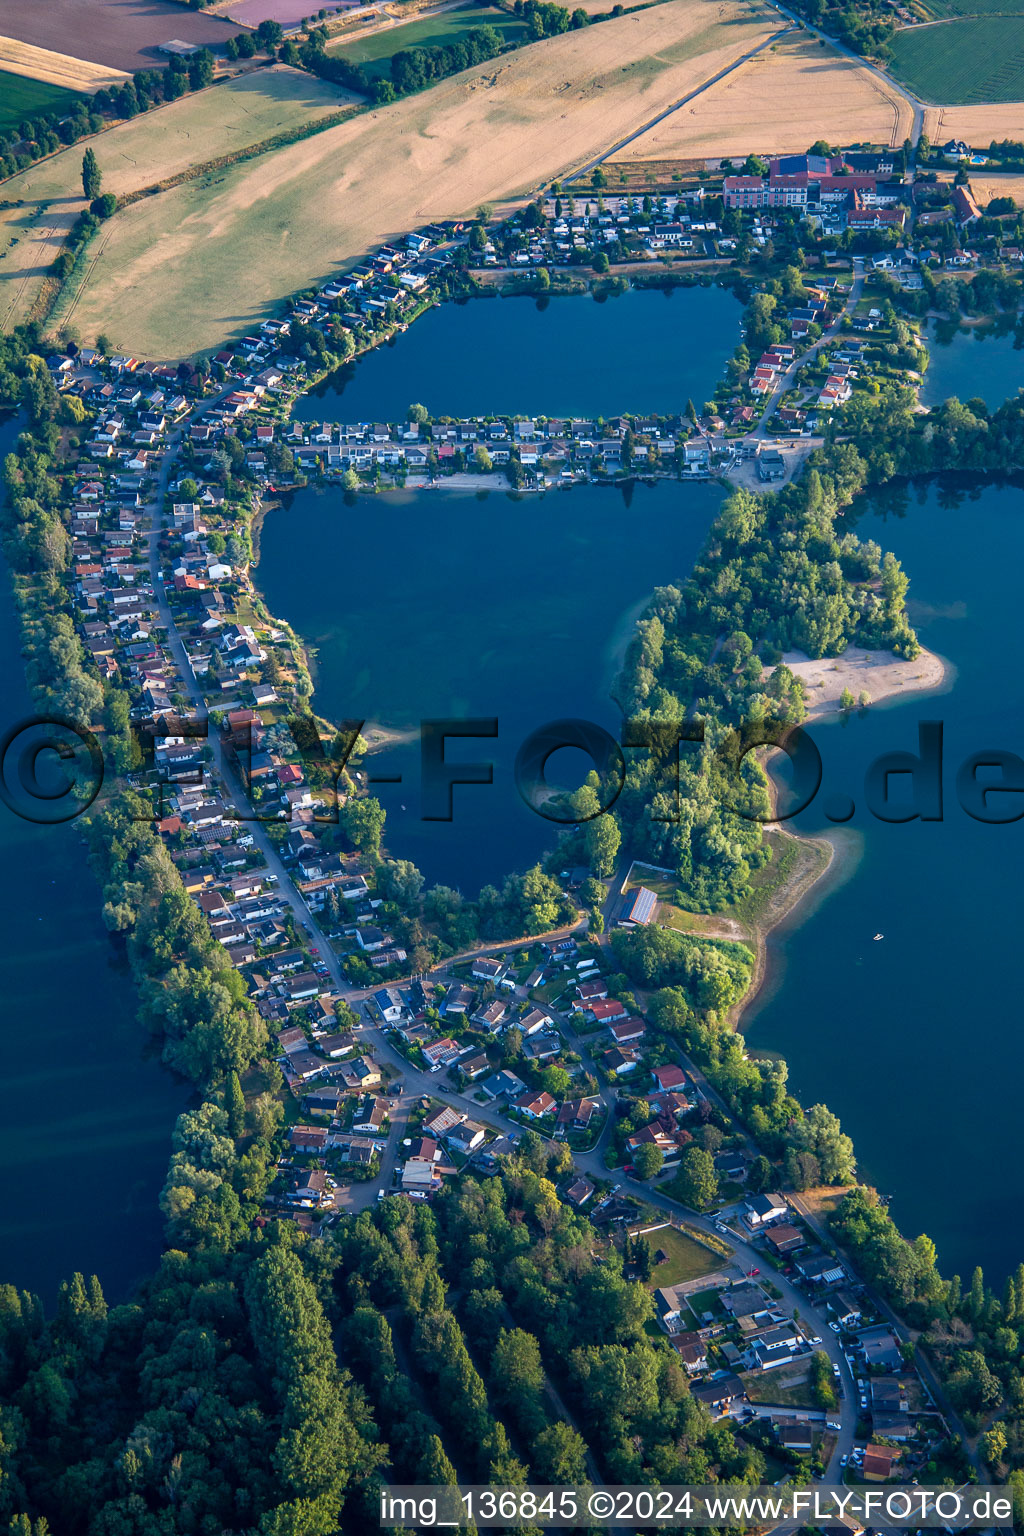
(275, 225)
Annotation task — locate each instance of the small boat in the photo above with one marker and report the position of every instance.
(879, 936)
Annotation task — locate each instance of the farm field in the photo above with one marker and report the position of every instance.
(56, 69)
(123, 33)
(778, 103)
(495, 131)
(157, 145)
(963, 62)
(21, 97)
(942, 10)
(986, 187)
(374, 51)
(287, 12)
(975, 125)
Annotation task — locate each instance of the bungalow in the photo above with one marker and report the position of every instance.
(762, 1210)
(607, 1012)
(621, 1061)
(439, 1053)
(785, 1239)
(443, 1121)
(370, 1117)
(310, 1188)
(717, 1396)
(542, 1047)
(370, 938)
(692, 1352)
(535, 1105)
(630, 1029)
(466, 1136)
(457, 1000)
(592, 991)
(474, 1065)
(846, 1310)
(579, 1192)
(491, 1016)
(878, 1459)
(533, 1022)
(576, 1114)
(307, 1138)
(361, 1074)
(795, 1437)
(821, 1269)
(488, 970)
(503, 1083)
(880, 1348)
(669, 1078)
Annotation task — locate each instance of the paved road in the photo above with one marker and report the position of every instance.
(785, 380)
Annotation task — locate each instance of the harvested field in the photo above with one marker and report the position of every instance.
(987, 185)
(149, 149)
(496, 130)
(978, 125)
(972, 60)
(374, 49)
(55, 70)
(779, 103)
(122, 33)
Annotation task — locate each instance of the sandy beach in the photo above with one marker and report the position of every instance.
(880, 674)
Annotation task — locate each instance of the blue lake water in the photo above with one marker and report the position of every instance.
(85, 1115)
(915, 1041)
(641, 351)
(973, 361)
(483, 605)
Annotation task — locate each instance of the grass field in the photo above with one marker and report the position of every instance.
(500, 129)
(942, 10)
(137, 154)
(779, 103)
(963, 62)
(781, 1387)
(21, 97)
(374, 51)
(685, 1259)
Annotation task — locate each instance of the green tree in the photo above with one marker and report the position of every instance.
(696, 1181)
(648, 1160)
(92, 177)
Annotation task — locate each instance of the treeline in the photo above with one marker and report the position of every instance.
(498, 1294)
(413, 69)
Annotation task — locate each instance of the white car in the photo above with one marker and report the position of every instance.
(835, 1369)
(834, 1327)
(843, 1460)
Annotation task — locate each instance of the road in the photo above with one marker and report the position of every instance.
(785, 380)
(917, 106)
(676, 106)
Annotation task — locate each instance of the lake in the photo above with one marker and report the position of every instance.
(982, 361)
(449, 603)
(641, 351)
(85, 1115)
(915, 1041)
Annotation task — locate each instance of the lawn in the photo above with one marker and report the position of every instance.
(374, 52)
(780, 1388)
(685, 1259)
(21, 98)
(963, 62)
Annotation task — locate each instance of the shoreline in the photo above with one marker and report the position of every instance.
(842, 848)
(882, 675)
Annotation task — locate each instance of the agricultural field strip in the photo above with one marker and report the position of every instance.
(59, 69)
(963, 61)
(152, 149)
(494, 131)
